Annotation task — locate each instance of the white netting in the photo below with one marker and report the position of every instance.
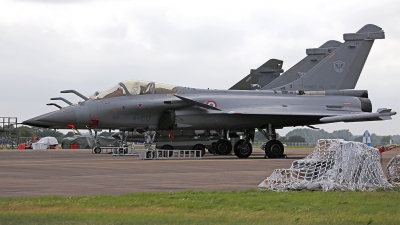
(334, 164)
(393, 170)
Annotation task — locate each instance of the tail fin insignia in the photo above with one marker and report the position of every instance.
(338, 66)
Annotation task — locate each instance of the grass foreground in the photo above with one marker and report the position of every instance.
(208, 207)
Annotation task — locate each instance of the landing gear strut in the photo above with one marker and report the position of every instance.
(273, 148)
(149, 139)
(123, 148)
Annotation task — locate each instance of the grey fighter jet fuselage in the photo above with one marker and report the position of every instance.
(189, 108)
(151, 106)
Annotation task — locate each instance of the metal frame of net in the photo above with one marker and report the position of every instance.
(334, 164)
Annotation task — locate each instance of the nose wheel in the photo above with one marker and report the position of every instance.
(97, 149)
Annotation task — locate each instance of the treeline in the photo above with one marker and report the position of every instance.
(296, 135)
(312, 135)
(24, 131)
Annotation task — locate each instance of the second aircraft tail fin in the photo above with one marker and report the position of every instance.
(342, 68)
(260, 76)
(314, 56)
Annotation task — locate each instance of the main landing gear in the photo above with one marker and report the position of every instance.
(242, 148)
(273, 148)
(223, 146)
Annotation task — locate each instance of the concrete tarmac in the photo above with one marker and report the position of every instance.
(79, 172)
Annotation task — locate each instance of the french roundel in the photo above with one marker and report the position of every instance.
(212, 103)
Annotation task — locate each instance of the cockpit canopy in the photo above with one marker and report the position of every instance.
(134, 87)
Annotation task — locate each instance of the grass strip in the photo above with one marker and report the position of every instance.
(208, 207)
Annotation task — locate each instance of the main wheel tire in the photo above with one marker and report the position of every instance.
(243, 149)
(224, 147)
(274, 149)
(200, 147)
(97, 150)
(213, 147)
(168, 147)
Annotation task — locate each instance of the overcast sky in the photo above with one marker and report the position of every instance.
(51, 45)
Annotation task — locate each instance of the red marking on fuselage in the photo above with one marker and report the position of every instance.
(170, 134)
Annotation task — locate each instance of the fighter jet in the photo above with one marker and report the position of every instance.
(261, 76)
(148, 106)
(267, 75)
(314, 57)
(343, 73)
(257, 78)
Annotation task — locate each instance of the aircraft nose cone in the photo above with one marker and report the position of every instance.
(64, 116)
(35, 123)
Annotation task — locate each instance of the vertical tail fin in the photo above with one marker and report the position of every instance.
(314, 56)
(261, 76)
(342, 68)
